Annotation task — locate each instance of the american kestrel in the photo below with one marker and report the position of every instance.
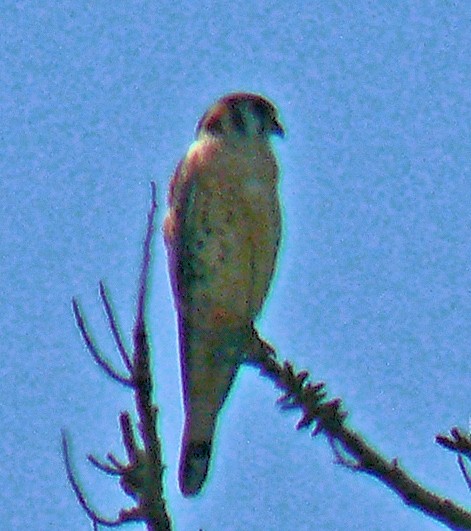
(222, 233)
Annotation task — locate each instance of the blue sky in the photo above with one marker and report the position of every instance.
(372, 293)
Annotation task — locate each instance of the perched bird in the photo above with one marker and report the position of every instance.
(222, 233)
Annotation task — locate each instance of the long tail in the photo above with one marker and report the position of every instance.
(207, 375)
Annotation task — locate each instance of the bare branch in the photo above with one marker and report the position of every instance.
(114, 461)
(329, 419)
(141, 477)
(146, 259)
(104, 467)
(457, 442)
(114, 327)
(125, 516)
(129, 441)
(93, 349)
(151, 471)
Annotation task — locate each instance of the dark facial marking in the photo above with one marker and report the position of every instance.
(262, 111)
(237, 120)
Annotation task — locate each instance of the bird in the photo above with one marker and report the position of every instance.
(222, 233)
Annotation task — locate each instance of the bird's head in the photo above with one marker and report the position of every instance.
(239, 116)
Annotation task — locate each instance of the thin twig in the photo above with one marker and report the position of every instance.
(458, 442)
(114, 328)
(340, 458)
(146, 259)
(112, 373)
(111, 470)
(114, 461)
(464, 471)
(129, 441)
(125, 516)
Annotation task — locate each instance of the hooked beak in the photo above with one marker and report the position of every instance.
(277, 128)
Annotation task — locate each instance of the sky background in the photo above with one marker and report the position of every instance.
(372, 293)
